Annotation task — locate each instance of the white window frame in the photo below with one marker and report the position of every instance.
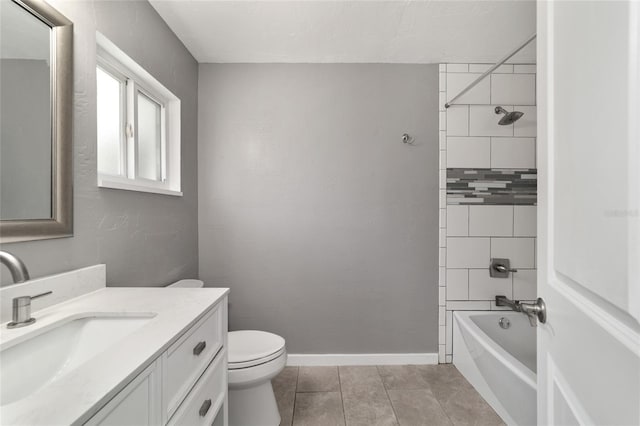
(135, 80)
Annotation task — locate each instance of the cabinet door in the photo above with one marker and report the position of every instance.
(136, 405)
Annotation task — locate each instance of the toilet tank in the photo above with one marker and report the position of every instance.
(187, 284)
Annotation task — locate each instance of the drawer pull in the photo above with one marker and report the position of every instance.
(204, 409)
(199, 348)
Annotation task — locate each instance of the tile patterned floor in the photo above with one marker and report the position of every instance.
(405, 395)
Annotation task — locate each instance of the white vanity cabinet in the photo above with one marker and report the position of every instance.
(185, 385)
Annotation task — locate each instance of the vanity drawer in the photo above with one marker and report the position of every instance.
(187, 359)
(206, 398)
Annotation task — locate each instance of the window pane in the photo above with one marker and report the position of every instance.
(149, 138)
(109, 123)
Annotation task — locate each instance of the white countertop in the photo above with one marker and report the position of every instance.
(78, 395)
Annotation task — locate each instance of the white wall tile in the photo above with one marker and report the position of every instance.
(443, 159)
(442, 99)
(442, 296)
(474, 305)
(443, 218)
(457, 284)
(449, 331)
(469, 152)
(458, 120)
(483, 121)
(526, 125)
(520, 251)
(513, 89)
(441, 315)
(442, 335)
(457, 68)
(483, 287)
(443, 120)
(524, 221)
(441, 354)
(442, 256)
(443, 81)
(479, 94)
(442, 237)
(442, 67)
(468, 252)
(525, 69)
(525, 286)
(443, 197)
(513, 153)
(491, 221)
(457, 221)
(442, 276)
(495, 307)
(480, 68)
(443, 138)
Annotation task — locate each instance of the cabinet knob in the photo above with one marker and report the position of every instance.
(199, 348)
(204, 408)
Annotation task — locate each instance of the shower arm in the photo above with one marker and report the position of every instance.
(490, 70)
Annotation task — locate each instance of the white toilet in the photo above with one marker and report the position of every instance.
(255, 357)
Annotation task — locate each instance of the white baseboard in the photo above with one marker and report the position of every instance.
(297, 360)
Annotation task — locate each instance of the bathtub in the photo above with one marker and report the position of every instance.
(500, 363)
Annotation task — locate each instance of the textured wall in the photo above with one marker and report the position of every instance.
(145, 239)
(322, 222)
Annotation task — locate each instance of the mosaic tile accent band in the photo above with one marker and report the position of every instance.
(492, 186)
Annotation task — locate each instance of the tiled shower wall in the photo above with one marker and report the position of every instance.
(474, 228)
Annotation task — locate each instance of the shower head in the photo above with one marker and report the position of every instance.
(509, 117)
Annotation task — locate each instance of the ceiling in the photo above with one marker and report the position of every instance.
(357, 31)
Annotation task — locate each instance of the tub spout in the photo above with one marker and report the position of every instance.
(513, 304)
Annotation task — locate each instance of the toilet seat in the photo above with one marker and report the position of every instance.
(255, 362)
(249, 348)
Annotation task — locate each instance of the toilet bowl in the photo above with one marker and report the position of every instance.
(254, 358)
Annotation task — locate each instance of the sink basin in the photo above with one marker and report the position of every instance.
(48, 355)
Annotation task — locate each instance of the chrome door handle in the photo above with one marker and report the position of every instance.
(535, 310)
(197, 350)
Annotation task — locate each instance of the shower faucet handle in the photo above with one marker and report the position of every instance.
(500, 268)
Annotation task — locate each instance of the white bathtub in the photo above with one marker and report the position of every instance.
(499, 363)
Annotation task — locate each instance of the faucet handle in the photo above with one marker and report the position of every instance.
(37, 296)
(26, 300)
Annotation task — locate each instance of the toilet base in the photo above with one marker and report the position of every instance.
(253, 406)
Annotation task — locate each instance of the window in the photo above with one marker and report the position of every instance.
(138, 122)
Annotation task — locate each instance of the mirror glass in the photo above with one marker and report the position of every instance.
(25, 115)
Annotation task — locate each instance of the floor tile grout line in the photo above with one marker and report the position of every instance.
(295, 395)
(438, 402)
(386, 392)
(344, 412)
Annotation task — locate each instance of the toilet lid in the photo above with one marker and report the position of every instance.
(252, 345)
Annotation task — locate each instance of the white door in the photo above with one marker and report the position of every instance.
(589, 212)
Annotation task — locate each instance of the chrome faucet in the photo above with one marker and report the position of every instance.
(21, 315)
(533, 311)
(513, 304)
(18, 269)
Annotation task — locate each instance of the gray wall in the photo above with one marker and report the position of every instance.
(145, 239)
(321, 221)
